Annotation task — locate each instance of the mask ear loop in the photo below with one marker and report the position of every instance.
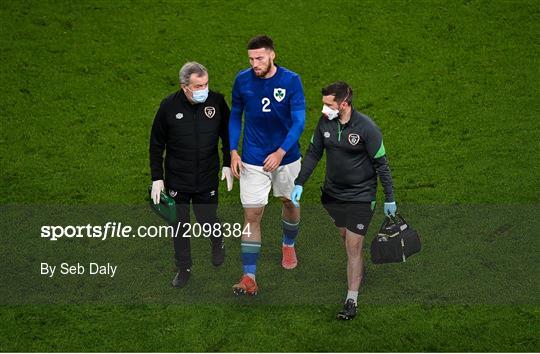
(346, 97)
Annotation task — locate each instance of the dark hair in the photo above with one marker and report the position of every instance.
(261, 41)
(341, 90)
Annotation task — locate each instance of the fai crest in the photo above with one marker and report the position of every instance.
(209, 111)
(354, 139)
(279, 94)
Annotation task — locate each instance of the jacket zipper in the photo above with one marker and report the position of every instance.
(196, 129)
(339, 131)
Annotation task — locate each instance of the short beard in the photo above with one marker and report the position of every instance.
(268, 68)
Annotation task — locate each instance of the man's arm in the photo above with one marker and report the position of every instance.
(313, 156)
(298, 118)
(235, 120)
(235, 127)
(385, 176)
(158, 139)
(272, 161)
(298, 123)
(377, 154)
(298, 115)
(224, 132)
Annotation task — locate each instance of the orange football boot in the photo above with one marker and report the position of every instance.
(289, 261)
(246, 286)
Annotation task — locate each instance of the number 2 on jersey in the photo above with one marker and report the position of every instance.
(266, 102)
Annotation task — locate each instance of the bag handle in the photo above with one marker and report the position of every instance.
(388, 221)
(395, 219)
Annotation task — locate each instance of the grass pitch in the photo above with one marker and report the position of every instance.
(453, 86)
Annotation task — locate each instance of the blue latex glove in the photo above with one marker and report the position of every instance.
(296, 195)
(390, 209)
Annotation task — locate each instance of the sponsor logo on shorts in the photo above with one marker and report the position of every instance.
(354, 139)
(209, 111)
(172, 193)
(212, 193)
(360, 226)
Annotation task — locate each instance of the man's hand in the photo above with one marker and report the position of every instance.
(272, 161)
(390, 209)
(236, 164)
(296, 195)
(157, 187)
(226, 173)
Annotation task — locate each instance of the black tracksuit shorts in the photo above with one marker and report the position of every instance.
(354, 216)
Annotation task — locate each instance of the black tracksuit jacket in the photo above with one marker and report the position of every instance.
(189, 134)
(355, 155)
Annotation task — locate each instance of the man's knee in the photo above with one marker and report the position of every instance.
(354, 243)
(290, 212)
(287, 203)
(253, 215)
(209, 218)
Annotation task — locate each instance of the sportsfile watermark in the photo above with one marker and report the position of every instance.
(135, 271)
(119, 230)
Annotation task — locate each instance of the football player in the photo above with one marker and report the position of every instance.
(271, 98)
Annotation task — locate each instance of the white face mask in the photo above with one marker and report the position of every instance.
(200, 96)
(329, 112)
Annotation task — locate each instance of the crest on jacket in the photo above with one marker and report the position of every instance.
(209, 111)
(354, 139)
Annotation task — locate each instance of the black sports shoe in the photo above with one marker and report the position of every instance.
(218, 252)
(348, 312)
(181, 278)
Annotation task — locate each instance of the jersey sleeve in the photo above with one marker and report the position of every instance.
(298, 113)
(235, 120)
(313, 156)
(375, 147)
(298, 100)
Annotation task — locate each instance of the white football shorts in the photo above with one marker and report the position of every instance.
(255, 183)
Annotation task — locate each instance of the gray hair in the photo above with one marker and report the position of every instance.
(189, 69)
